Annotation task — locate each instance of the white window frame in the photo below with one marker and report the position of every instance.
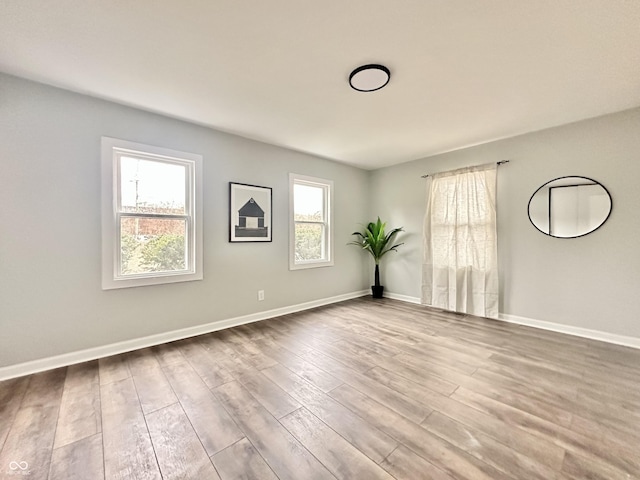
(112, 149)
(327, 186)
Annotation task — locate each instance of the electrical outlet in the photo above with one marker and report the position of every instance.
(260, 295)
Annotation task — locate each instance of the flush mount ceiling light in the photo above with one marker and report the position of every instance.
(369, 78)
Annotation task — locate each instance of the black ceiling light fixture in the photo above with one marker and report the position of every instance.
(369, 78)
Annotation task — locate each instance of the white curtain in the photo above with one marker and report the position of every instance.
(460, 266)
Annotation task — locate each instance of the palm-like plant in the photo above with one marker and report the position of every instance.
(378, 243)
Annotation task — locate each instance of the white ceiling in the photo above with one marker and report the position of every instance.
(463, 71)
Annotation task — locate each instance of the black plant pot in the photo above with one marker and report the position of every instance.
(376, 291)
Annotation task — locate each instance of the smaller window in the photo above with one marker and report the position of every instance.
(310, 243)
(151, 230)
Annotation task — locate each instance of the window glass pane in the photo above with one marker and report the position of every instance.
(309, 242)
(152, 245)
(308, 203)
(151, 187)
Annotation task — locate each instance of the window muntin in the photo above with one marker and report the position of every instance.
(151, 217)
(310, 243)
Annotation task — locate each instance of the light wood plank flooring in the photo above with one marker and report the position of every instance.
(362, 389)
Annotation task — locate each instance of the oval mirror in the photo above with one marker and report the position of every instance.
(569, 207)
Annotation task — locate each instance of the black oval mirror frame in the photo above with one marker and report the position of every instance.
(566, 182)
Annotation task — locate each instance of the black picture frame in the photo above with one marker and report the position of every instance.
(249, 213)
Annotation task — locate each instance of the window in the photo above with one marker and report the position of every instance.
(151, 215)
(310, 243)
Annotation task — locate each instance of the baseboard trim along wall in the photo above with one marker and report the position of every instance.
(632, 342)
(402, 298)
(40, 365)
(66, 359)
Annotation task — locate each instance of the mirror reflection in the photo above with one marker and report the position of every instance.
(569, 207)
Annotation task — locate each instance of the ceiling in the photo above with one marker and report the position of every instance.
(463, 72)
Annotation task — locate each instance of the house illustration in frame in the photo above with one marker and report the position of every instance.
(251, 221)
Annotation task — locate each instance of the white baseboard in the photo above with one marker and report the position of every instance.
(71, 358)
(403, 298)
(632, 342)
(66, 359)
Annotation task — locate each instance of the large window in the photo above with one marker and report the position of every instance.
(310, 242)
(151, 207)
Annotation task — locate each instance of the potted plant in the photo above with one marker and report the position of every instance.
(377, 243)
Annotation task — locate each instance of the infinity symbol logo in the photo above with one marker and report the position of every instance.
(16, 465)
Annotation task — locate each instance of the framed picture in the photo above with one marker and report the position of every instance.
(249, 213)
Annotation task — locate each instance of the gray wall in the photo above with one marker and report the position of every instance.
(51, 300)
(590, 282)
(50, 297)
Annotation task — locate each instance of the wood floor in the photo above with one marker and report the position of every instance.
(357, 390)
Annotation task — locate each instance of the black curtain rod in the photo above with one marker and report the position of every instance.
(501, 162)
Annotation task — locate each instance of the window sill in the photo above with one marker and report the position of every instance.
(112, 284)
(306, 265)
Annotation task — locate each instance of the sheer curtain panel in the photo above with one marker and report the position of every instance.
(460, 266)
